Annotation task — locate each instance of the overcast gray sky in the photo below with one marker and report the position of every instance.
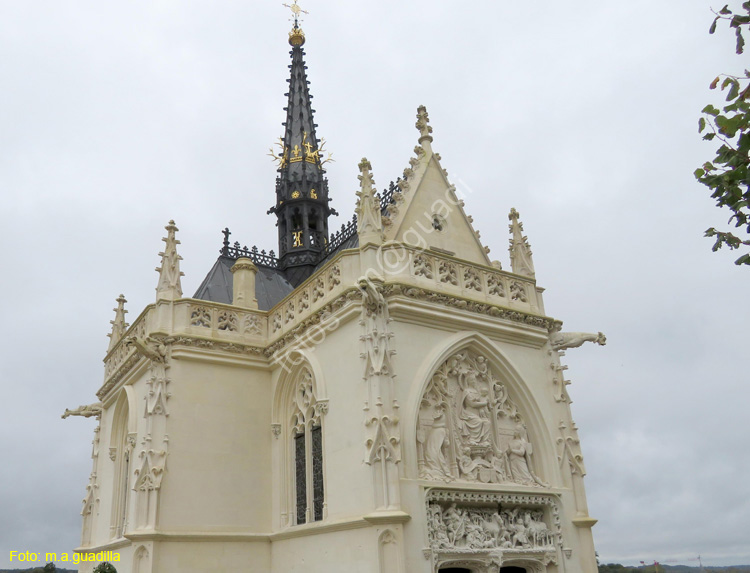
(116, 117)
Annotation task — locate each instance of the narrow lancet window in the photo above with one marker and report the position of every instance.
(317, 472)
(300, 477)
(308, 469)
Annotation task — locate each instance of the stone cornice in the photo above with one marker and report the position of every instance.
(316, 318)
(461, 303)
(317, 527)
(197, 536)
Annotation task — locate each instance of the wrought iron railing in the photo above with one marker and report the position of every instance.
(258, 257)
(386, 197)
(335, 240)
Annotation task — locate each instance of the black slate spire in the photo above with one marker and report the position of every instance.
(301, 207)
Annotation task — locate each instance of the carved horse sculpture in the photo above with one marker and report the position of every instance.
(495, 529)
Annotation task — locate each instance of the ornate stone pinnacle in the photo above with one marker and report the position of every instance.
(423, 124)
(169, 287)
(369, 218)
(119, 326)
(520, 252)
(364, 165)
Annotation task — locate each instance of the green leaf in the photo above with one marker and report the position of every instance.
(725, 10)
(734, 90)
(711, 110)
(714, 83)
(712, 29)
(743, 260)
(701, 124)
(740, 41)
(699, 173)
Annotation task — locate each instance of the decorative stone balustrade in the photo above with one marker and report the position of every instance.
(324, 292)
(448, 275)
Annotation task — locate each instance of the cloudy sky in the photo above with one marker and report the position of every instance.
(116, 117)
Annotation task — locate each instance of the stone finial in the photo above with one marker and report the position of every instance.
(423, 124)
(169, 287)
(243, 283)
(521, 262)
(119, 326)
(369, 220)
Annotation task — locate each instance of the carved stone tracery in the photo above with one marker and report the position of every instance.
(469, 428)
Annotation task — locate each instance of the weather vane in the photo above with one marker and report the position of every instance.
(296, 11)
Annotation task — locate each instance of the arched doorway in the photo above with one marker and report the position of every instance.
(455, 570)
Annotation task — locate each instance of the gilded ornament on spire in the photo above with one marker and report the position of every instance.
(169, 287)
(296, 35)
(520, 251)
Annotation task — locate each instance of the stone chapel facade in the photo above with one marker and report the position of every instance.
(384, 399)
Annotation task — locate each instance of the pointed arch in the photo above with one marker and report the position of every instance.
(140, 560)
(299, 407)
(121, 445)
(389, 552)
(518, 391)
(291, 364)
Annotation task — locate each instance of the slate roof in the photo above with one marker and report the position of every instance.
(270, 284)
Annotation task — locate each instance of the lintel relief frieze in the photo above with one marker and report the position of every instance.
(474, 527)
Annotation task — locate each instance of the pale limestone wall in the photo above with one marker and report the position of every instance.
(346, 551)
(218, 475)
(211, 557)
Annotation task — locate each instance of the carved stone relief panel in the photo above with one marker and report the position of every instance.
(472, 279)
(422, 266)
(228, 321)
(495, 286)
(334, 277)
(200, 316)
(469, 428)
(447, 272)
(492, 529)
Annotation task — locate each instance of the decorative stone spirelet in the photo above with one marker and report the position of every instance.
(521, 262)
(169, 287)
(369, 221)
(119, 326)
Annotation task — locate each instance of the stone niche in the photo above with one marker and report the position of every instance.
(483, 531)
(469, 428)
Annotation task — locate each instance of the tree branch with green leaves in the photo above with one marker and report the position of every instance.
(727, 174)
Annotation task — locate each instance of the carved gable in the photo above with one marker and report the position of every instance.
(469, 429)
(432, 216)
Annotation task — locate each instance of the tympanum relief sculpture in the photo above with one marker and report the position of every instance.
(469, 428)
(456, 528)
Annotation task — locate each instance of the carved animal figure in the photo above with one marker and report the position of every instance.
(564, 340)
(152, 349)
(495, 529)
(86, 411)
(537, 531)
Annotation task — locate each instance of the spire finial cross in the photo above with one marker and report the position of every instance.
(296, 10)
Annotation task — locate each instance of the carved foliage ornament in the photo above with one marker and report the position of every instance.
(469, 428)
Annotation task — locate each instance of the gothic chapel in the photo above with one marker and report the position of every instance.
(382, 399)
